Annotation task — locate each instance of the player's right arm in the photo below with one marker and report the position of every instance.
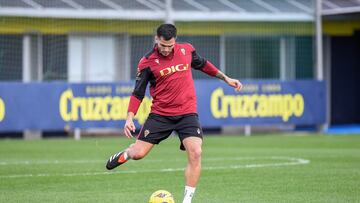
(129, 125)
(142, 79)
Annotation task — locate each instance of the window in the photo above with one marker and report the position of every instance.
(55, 51)
(11, 57)
(252, 57)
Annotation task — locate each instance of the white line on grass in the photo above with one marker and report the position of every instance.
(86, 161)
(290, 161)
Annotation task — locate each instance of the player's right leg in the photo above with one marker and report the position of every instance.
(156, 128)
(135, 151)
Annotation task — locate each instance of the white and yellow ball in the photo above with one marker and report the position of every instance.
(161, 196)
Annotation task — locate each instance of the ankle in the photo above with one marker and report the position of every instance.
(188, 194)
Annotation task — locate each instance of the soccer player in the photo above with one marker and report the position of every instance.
(167, 67)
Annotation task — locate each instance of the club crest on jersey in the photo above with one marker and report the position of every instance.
(183, 51)
(157, 61)
(173, 69)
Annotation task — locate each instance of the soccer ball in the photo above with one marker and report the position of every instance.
(161, 196)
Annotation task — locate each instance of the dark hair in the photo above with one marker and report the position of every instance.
(167, 31)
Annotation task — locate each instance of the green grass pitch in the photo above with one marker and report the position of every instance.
(261, 168)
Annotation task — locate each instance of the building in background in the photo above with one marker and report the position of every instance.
(102, 40)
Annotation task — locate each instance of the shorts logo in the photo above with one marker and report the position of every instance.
(138, 74)
(198, 131)
(182, 51)
(146, 133)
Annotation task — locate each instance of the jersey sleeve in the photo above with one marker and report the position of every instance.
(142, 78)
(200, 63)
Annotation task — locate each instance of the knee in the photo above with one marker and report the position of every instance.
(195, 154)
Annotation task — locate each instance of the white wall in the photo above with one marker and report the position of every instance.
(92, 58)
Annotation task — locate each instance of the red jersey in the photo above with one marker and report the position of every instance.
(171, 83)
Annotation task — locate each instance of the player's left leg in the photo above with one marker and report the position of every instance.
(193, 169)
(190, 135)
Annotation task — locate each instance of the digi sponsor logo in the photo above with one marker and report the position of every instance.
(173, 69)
(2, 109)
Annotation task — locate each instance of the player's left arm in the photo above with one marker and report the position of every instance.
(207, 67)
(230, 81)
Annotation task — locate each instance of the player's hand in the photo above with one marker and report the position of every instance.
(234, 83)
(129, 127)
